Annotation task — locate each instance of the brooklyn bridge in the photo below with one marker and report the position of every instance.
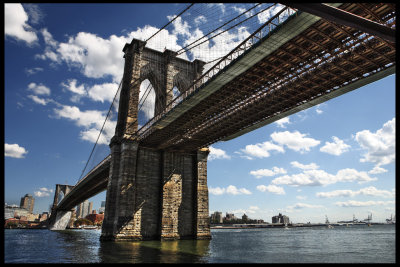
(156, 174)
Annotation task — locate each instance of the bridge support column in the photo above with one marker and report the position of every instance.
(60, 220)
(155, 194)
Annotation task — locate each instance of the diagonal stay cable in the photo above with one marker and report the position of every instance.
(101, 130)
(170, 21)
(233, 26)
(180, 50)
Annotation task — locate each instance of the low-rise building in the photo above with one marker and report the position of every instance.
(280, 219)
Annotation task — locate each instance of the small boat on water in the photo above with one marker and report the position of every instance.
(89, 227)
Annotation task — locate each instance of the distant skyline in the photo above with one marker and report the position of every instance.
(63, 64)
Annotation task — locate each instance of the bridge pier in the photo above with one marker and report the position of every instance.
(155, 194)
(60, 220)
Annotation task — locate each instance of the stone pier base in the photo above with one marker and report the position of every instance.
(155, 194)
(60, 221)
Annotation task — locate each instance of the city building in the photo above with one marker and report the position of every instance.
(103, 207)
(245, 218)
(230, 217)
(27, 203)
(280, 219)
(84, 209)
(14, 211)
(216, 217)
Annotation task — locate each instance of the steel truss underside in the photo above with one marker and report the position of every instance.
(309, 69)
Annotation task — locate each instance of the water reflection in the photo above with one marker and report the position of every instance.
(180, 251)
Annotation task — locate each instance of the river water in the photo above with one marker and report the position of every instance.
(354, 244)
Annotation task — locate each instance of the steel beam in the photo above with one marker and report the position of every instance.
(337, 15)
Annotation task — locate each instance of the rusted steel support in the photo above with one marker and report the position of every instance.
(343, 17)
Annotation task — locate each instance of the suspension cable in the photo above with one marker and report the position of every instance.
(218, 27)
(101, 130)
(170, 21)
(227, 29)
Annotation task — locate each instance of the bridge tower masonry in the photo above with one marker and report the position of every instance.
(151, 193)
(59, 219)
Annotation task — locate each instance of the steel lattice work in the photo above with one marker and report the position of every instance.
(321, 62)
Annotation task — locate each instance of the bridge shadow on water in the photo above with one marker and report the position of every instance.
(178, 251)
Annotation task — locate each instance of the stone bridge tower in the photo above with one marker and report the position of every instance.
(152, 193)
(59, 219)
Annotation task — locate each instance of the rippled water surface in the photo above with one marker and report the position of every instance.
(354, 244)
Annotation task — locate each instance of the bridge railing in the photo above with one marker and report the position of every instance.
(244, 46)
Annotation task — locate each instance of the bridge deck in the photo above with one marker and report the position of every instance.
(321, 62)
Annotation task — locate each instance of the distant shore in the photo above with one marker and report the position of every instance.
(281, 225)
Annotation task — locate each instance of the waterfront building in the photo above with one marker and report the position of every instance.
(280, 219)
(14, 211)
(230, 217)
(27, 203)
(216, 217)
(245, 218)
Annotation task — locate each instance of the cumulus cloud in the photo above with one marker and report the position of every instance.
(32, 71)
(90, 120)
(294, 140)
(322, 178)
(260, 150)
(281, 123)
(43, 192)
(267, 172)
(14, 151)
(380, 146)
(353, 203)
(311, 166)
(216, 153)
(38, 100)
(15, 23)
(231, 190)
(272, 189)
(39, 89)
(367, 191)
(304, 205)
(269, 13)
(336, 148)
(377, 170)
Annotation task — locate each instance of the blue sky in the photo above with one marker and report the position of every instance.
(63, 64)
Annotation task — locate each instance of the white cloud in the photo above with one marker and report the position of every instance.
(103, 92)
(377, 170)
(15, 23)
(336, 148)
(269, 13)
(33, 70)
(216, 153)
(43, 192)
(267, 172)
(294, 140)
(14, 151)
(311, 166)
(180, 27)
(272, 189)
(304, 205)
(38, 100)
(322, 178)
(380, 145)
(281, 123)
(367, 191)
(90, 120)
(39, 89)
(231, 189)
(353, 203)
(261, 150)
(200, 19)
